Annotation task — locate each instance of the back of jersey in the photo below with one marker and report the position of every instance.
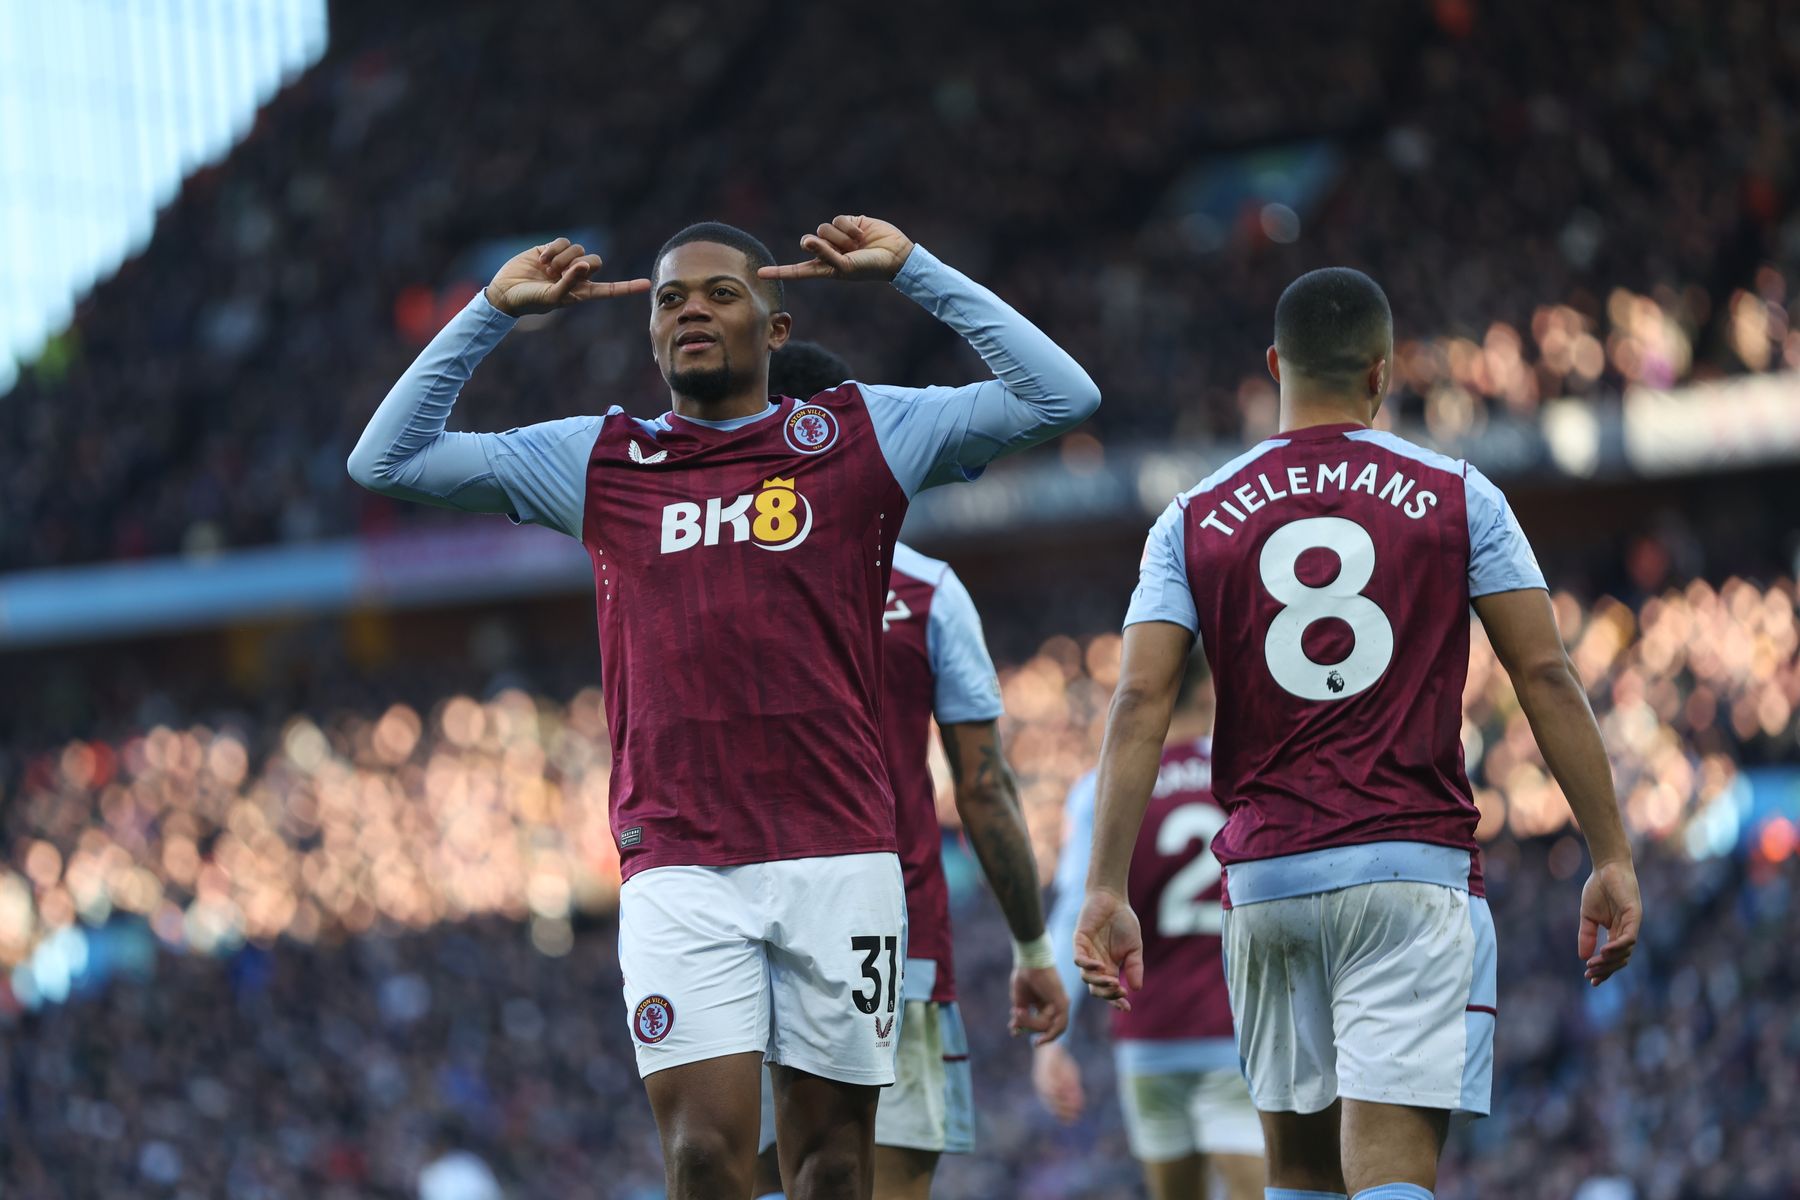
(1330, 572)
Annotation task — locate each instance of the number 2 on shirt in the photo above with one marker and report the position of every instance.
(1180, 912)
(1341, 598)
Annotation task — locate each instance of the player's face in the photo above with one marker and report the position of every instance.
(710, 325)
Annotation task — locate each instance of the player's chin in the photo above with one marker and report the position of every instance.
(704, 383)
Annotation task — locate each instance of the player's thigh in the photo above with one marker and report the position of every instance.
(1391, 1143)
(837, 949)
(1413, 1002)
(695, 967)
(1302, 1149)
(1158, 1126)
(1226, 1123)
(825, 1131)
(1181, 1178)
(1242, 1176)
(902, 1174)
(1276, 972)
(931, 1107)
(706, 1115)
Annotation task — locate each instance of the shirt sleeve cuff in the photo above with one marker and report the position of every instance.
(488, 312)
(914, 278)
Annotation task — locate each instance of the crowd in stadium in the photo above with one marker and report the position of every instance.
(1511, 187)
(472, 836)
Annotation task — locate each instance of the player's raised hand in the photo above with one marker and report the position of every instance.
(848, 248)
(1056, 1076)
(1039, 1004)
(1109, 948)
(554, 275)
(1610, 901)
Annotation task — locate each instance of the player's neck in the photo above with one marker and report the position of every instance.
(744, 403)
(1303, 410)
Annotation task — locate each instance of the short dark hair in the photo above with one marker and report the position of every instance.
(1331, 324)
(804, 369)
(747, 244)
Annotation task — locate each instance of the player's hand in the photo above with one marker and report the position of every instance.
(1039, 1004)
(1609, 901)
(554, 275)
(1109, 948)
(848, 248)
(1057, 1077)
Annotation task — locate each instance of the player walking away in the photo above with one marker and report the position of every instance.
(935, 662)
(1328, 573)
(1188, 1114)
(741, 549)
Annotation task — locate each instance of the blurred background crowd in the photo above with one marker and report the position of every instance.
(1559, 203)
(295, 905)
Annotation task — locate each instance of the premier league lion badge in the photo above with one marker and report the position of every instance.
(811, 429)
(654, 1017)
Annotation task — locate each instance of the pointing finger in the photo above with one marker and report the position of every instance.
(603, 291)
(815, 269)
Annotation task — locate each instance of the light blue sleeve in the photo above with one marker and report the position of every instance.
(941, 435)
(1500, 559)
(1071, 886)
(1163, 592)
(537, 473)
(965, 685)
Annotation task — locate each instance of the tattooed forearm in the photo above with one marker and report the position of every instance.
(987, 797)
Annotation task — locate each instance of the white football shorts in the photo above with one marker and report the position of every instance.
(1381, 991)
(801, 960)
(932, 1103)
(1174, 1114)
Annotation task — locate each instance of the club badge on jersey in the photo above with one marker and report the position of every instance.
(811, 429)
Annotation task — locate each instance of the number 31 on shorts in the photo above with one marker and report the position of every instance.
(1341, 598)
(868, 999)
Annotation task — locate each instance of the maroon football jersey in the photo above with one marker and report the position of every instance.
(1176, 889)
(907, 693)
(740, 578)
(1330, 575)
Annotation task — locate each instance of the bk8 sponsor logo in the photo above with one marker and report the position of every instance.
(775, 517)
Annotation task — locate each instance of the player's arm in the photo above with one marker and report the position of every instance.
(939, 435)
(967, 704)
(1160, 626)
(1108, 942)
(1054, 1072)
(533, 473)
(1522, 628)
(1509, 595)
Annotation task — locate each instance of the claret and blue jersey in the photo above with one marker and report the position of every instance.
(1328, 574)
(741, 567)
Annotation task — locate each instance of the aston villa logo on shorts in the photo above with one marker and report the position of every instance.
(654, 1018)
(811, 429)
(883, 1029)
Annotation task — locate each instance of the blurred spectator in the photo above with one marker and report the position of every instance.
(1561, 201)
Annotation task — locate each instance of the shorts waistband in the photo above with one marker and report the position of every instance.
(1262, 879)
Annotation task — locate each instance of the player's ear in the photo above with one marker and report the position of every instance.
(1274, 361)
(1378, 385)
(781, 327)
